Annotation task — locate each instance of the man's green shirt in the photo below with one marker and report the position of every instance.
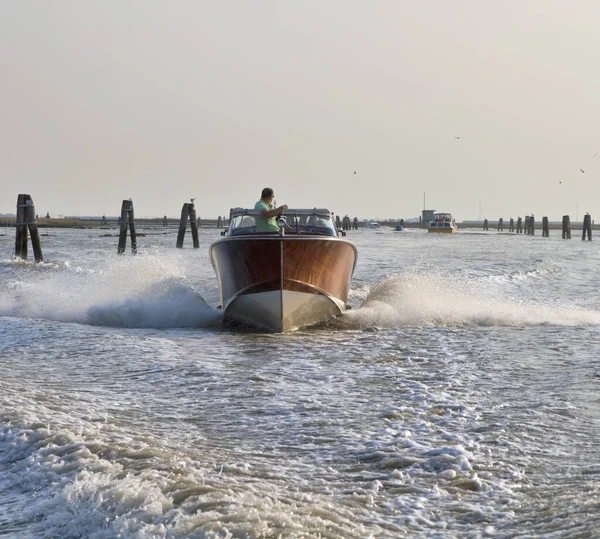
(265, 225)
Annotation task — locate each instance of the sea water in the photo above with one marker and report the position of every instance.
(460, 397)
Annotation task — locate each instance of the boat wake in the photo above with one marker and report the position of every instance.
(414, 299)
(140, 292)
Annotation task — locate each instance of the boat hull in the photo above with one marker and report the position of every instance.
(450, 230)
(282, 283)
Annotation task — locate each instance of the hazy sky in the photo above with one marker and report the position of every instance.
(162, 101)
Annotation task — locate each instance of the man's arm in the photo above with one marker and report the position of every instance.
(273, 213)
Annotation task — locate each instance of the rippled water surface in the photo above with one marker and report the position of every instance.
(460, 397)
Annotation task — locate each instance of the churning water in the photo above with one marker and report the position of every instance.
(460, 397)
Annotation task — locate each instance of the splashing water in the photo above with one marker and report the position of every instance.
(435, 299)
(145, 291)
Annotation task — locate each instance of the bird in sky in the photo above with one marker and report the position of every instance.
(594, 155)
(582, 170)
(456, 138)
(355, 172)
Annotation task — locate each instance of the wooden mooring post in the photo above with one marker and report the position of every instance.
(530, 225)
(587, 227)
(127, 219)
(500, 225)
(519, 225)
(511, 225)
(485, 224)
(26, 220)
(188, 212)
(566, 227)
(545, 228)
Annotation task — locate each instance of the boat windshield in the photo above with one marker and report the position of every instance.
(298, 221)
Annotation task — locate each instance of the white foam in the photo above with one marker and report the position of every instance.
(141, 291)
(432, 299)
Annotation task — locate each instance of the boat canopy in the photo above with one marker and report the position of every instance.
(318, 221)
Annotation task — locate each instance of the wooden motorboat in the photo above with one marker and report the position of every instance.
(442, 222)
(282, 281)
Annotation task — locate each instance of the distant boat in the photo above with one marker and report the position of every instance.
(442, 223)
(284, 280)
(373, 224)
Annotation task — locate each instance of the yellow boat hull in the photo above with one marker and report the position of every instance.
(451, 230)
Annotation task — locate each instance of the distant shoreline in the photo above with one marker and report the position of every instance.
(157, 222)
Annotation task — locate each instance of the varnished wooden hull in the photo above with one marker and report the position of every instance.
(283, 283)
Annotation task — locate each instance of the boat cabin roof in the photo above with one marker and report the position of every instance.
(301, 221)
(441, 215)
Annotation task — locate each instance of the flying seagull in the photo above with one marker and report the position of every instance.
(594, 155)
(582, 170)
(355, 172)
(456, 138)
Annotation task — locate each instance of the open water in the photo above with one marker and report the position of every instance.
(460, 397)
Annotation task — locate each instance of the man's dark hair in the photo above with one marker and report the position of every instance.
(266, 193)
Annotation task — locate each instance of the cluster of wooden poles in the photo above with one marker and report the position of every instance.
(527, 226)
(345, 224)
(26, 225)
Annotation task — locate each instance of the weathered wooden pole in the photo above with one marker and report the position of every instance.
(519, 225)
(219, 222)
(338, 223)
(194, 225)
(500, 225)
(545, 228)
(566, 227)
(485, 224)
(587, 227)
(26, 221)
(132, 229)
(33, 230)
(127, 218)
(532, 225)
(185, 213)
(21, 229)
(123, 227)
(355, 223)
